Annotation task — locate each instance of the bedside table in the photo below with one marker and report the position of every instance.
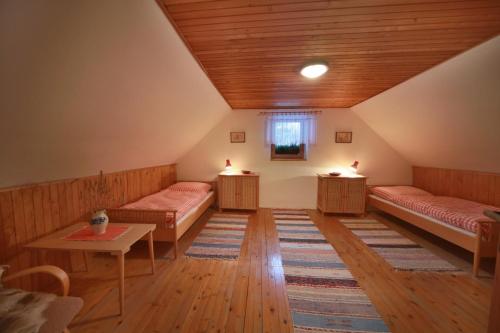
(238, 191)
(341, 194)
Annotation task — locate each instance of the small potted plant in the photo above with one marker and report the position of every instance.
(288, 152)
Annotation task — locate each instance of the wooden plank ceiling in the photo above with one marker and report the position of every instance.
(252, 50)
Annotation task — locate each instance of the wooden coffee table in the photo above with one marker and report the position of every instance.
(117, 247)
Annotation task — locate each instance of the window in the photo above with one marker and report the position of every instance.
(289, 134)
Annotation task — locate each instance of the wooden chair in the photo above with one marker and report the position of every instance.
(63, 309)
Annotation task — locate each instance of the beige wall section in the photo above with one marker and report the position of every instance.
(90, 85)
(293, 184)
(448, 116)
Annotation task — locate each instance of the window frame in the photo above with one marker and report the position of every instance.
(282, 132)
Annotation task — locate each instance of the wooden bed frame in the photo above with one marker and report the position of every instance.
(480, 244)
(167, 229)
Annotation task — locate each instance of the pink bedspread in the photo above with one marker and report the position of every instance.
(393, 192)
(461, 213)
(168, 199)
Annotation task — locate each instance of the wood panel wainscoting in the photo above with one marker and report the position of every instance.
(476, 186)
(31, 211)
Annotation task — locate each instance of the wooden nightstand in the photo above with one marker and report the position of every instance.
(341, 194)
(238, 191)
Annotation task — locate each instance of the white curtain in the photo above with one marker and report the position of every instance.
(291, 128)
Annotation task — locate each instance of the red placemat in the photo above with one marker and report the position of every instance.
(86, 234)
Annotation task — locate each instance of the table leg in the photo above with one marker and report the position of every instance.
(121, 281)
(86, 260)
(151, 251)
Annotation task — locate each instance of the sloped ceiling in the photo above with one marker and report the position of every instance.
(253, 50)
(91, 85)
(448, 116)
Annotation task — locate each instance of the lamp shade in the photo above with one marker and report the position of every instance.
(354, 166)
(228, 164)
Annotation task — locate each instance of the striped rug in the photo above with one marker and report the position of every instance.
(322, 293)
(397, 250)
(221, 238)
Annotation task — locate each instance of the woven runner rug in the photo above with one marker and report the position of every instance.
(397, 250)
(221, 238)
(322, 293)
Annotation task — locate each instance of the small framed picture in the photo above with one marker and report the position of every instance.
(343, 137)
(237, 137)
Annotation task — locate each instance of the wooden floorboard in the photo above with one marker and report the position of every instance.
(249, 295)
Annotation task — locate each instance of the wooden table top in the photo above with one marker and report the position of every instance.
(122, 244)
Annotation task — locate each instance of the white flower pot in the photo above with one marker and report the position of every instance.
(99, 222)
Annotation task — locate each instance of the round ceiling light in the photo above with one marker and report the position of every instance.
(313, 71)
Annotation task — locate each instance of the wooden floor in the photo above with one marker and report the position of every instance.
(248, 295)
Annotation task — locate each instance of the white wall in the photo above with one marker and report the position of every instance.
(448, 116)
(293, 184)
(90, 85)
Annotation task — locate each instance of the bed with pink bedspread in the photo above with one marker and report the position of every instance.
(181, 202)
(459, 221)
(173, 210)
(457, 212)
